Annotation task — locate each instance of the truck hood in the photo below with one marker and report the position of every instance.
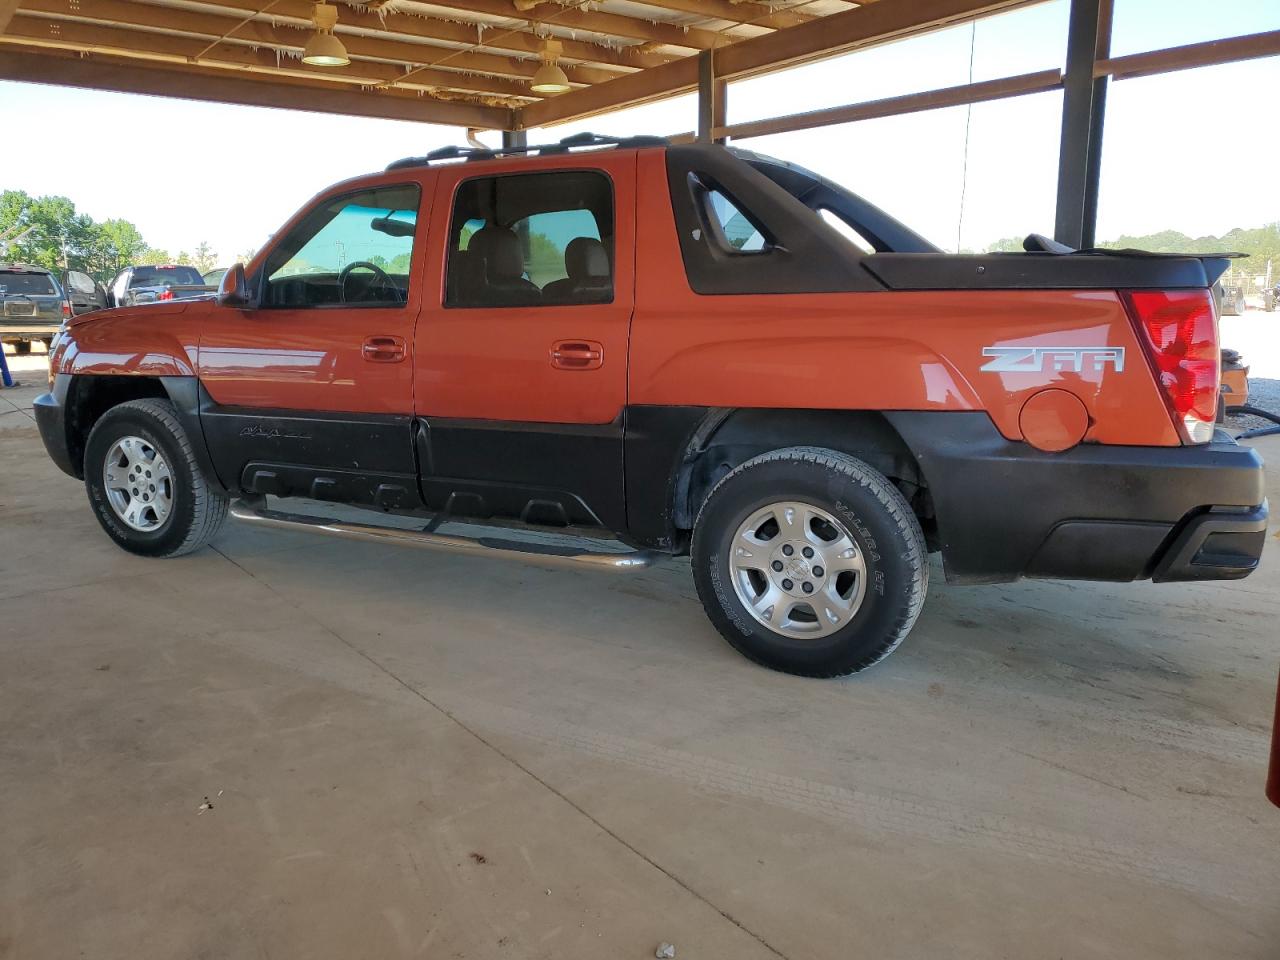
(162, 308)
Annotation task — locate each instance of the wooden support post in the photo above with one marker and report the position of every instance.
(711, 98)
(1083, 111)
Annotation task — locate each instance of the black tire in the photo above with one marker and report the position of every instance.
(875, 515)
(198, 509)
(22, 347)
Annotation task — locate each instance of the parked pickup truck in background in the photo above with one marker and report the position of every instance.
(752, 366)
(154, 284)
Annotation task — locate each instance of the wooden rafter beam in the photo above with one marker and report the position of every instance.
(757, 14)
(838, 33)
(852, 29)
(982, 92)
(145, 16)
(1208, 54)
(69, 35)
(523, 41)
(591, 21)
(7, 9)
(73, 71)
(282, 77)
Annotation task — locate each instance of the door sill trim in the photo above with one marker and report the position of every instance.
(257, 513)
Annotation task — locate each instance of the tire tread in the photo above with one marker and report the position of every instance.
(903, 518)
(209, 506)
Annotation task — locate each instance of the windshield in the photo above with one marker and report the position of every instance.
(152, 276)
(40, 284)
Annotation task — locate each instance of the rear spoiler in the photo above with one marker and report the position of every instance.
(1215, 264)
(1047, 265)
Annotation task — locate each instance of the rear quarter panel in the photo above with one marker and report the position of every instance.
(877, 350)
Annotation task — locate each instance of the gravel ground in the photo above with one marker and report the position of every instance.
(1263, 394)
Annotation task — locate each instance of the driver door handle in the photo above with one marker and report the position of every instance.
(383, 349)
(577, 355)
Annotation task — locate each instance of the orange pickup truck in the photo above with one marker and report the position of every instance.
(672, 349)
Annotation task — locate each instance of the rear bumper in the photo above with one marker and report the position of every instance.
(34, 329)
(1005, 510)
(51, 417)
(1219, 545)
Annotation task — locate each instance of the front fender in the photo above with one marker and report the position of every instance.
(160, 340)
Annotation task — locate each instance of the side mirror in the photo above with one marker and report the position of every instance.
(234, 289)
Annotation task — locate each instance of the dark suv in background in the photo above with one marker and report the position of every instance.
(33, 302)
(32, 305)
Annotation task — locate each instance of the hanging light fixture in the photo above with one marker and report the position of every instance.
(550, 79)
(324, 49)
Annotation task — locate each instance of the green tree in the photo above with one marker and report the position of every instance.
(1005, 245)
(546, 259)
(204, 258)
(117, 244)
(153, 257)
(1259, 244)
(52, 234)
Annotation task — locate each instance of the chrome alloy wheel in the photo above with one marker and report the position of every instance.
(138, 483)
(797, 570)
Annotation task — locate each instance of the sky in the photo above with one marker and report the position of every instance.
(1196, 151)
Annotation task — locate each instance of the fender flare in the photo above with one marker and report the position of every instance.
(189, 399)
(726, 437)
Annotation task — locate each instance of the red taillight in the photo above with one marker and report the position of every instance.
(164, 295)
(66, 310)
(1180, 332)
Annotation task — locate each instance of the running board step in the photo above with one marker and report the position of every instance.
(486, 546)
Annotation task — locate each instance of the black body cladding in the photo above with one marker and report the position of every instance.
(806, 254)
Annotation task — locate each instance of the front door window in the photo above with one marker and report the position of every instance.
(350, 251)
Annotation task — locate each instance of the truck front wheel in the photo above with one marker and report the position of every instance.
(810, 562)
(145, 485)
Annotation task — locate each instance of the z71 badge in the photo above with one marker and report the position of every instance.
(1034, 359)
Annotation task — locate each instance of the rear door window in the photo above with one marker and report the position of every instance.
(19, 282)
(524, 240)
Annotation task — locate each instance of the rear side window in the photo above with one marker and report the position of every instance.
(736, 229)
(16, 282)
(535, 239)
(154, 276)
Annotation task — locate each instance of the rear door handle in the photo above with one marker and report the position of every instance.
(383, 349)
(577, 355)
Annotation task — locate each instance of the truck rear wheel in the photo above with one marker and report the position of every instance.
(810, 562)
(144, 483)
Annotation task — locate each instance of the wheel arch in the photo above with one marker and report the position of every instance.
(90, 396)
(724, 439)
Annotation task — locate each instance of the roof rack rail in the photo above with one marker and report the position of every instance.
(547, 149)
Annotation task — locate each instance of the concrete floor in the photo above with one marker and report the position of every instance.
(415, 755)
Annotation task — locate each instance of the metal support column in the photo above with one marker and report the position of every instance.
(514, 139)
(1083, 108)
(711, 98)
